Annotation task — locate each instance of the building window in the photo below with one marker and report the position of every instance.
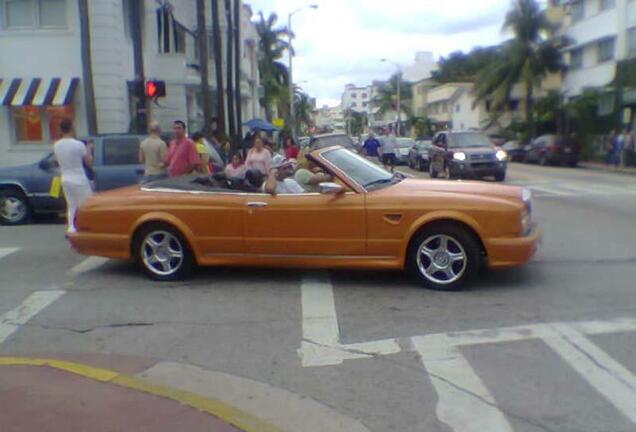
(578, 10)
(364, 95)
(365, 104)
(631, 42)
(354, 95)
(172, 35)
(354, 105)
(605, 50)
(606, 4)
(32, 14)
(576, 58)
(457, 108)
(35, 125)
(513, 105)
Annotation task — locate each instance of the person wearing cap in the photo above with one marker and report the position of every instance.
(279, 179)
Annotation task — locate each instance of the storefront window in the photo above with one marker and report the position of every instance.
(28, 124)
(55, 117)
(35, 125)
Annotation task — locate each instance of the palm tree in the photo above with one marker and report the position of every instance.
(303, 109)
(387, 97)
(274, 74)
(525, 59)
(423, 126)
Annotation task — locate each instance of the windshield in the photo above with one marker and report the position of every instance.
(361, 170)
(405, 142)
(468, 139)
(333, 140)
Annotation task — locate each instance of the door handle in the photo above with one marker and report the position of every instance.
(257, 204)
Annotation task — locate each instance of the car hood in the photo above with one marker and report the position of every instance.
(419, 186)
(473, 150)
(15, 171)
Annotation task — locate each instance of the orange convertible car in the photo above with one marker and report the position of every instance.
(367, 218)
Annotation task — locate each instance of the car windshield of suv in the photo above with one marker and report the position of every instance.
(361, 170)
(463, 140)
(328, 141)
(405, 143)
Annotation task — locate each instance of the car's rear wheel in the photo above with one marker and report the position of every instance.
(163, 253)
(422, 165)
(444, 256)
(14, 207)
(500, 177)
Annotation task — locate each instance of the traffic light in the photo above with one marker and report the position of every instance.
(155, 88)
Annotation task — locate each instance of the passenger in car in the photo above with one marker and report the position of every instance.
(279, 180)
(236, 168)
(259, 157)
(309, 175)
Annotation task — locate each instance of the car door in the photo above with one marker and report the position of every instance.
(117, 162)
(39, 186)
(308, 224)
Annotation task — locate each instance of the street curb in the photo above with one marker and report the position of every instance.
(602, 168)
(286, 410)
(230, 414)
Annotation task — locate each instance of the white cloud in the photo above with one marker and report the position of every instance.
(343, 40)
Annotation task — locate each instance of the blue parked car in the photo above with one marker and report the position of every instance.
(25, 190)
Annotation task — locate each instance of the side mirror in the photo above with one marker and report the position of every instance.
(329, 188)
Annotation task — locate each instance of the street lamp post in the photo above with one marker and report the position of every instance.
(399, 85)
(292, 114)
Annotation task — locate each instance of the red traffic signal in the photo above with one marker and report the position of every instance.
(155, 88)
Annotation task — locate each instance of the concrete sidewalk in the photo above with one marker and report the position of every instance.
(598, 166)
(121, 393)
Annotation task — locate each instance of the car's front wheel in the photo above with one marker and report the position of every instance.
(163, 253)
(500, 176)
(14, 207)
(444, 256)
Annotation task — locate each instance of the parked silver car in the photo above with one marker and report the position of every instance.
(418, 155)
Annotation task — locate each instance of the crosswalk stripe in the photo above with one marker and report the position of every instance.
(89, 264)
(606, 375)
(34, 304)
(7, 251)
(464, 403)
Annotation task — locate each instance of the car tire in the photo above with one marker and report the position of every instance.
(500, 177)
(411, 165)
(163, 253)
(448, 174)
(573, 164)
(422, 166)
(444, 269)
(14, 207)
(544, 161)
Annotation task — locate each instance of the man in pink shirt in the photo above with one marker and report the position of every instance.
(183, 157)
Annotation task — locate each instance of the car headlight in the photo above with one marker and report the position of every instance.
(459, 156)
(501, 155)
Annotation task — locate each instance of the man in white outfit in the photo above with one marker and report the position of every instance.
(71, 155)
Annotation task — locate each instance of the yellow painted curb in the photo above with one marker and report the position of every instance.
(228, 413)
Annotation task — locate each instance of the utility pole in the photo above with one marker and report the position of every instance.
(218, 66)
(141, 108)
(229, 75)
(87, 67)
(399, 105)
(202, 40)
(237, 68)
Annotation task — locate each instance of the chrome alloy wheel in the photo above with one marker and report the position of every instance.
(162, 253)
(441, 259)
(12, 209)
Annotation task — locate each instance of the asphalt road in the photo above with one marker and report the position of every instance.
(548, 347)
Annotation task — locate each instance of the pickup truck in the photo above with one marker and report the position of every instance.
(25, 190)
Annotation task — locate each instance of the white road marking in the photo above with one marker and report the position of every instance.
(548, 190)
(321, 336)
(7, 251)
(30, 307)
(464, 403)
(89, 264)
(606, 375)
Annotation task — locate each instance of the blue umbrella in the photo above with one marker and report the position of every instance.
(260, 124)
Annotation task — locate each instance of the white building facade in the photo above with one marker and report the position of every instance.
(356, 98)
(43, 80)
(603, 32)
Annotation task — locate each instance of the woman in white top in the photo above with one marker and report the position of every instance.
(236, 168)
(259, 157)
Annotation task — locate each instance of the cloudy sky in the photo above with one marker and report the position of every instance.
(343, 40)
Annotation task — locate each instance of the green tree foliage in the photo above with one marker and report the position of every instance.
(387, 96)
(462, 67)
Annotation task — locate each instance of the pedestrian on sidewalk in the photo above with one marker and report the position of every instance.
(371, 146)
(152, 154)
(627, 140)
(182, 156)
(72, 156)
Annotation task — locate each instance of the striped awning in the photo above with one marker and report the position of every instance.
(37, 91)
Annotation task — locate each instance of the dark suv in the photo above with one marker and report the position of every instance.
(25, 190)
(553, 150)
(466, 155)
